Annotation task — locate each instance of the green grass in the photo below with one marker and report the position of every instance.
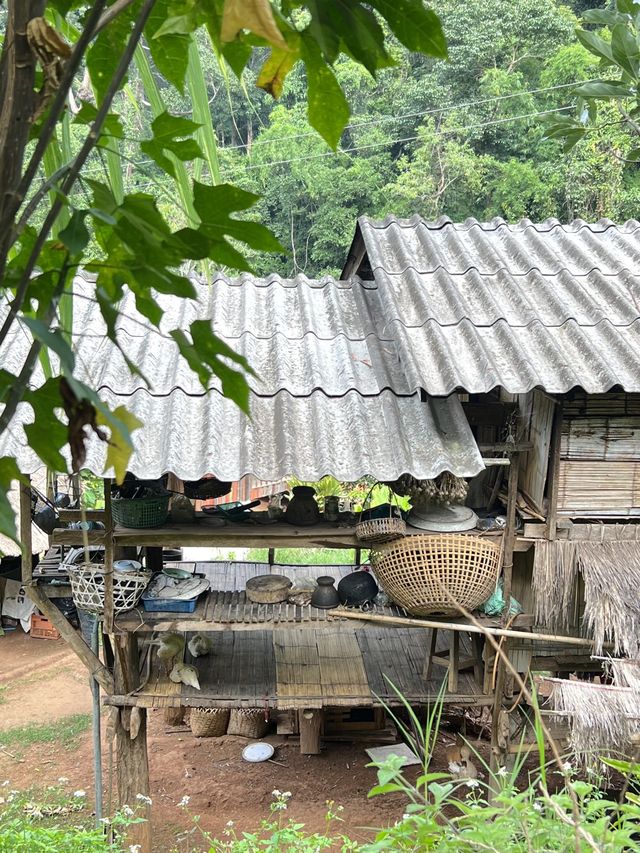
(306, 556)
(64, 731)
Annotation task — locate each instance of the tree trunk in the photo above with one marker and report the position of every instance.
(17, 104)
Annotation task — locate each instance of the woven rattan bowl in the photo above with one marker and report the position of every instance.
(417, 572)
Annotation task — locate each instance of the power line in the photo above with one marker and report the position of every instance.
(383, 120)
(434, 111)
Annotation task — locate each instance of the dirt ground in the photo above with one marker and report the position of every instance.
(43, 682)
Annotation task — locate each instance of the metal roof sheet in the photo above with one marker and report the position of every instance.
(331, 396)
(480, 305)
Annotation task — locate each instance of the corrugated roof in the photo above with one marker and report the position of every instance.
(479, 305)
(331, 397)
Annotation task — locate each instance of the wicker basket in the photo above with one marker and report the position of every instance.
(141, 512)
(87, 587)
(376, 531)
(248, 722)
(208, 722)
(417, 572)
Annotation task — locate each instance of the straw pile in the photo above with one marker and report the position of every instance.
(611, 574)
(602, 718)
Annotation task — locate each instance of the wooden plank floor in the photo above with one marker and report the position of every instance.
(289, 669)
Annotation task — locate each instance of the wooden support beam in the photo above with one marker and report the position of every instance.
(44, 604)
(109, 613)
(132, 761)
(310, 725)
(554, 468)
(510, 533)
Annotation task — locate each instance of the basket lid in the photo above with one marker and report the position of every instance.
(451, 518)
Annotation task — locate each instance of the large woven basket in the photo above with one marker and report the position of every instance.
(87, 587)
(247, 722)
(208, 722)
(141, 512)
(419, 571)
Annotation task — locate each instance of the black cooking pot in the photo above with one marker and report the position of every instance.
(357, 588)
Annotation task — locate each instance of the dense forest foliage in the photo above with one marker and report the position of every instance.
(463, 138)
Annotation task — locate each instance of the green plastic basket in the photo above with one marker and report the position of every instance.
(141, 512)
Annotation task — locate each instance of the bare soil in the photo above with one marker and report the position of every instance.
(44, 682)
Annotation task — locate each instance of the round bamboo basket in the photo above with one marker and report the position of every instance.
(427, 574)
(208, 722)
(376, 531)
(248, 722)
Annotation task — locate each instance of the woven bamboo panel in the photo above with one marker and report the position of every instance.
(599, 488)
(604, 438)
(604, 405)
(342, 671)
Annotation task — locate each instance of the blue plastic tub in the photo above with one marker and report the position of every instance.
(169, 605)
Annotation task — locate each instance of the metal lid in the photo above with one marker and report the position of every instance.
(258, 751)
(451, 518)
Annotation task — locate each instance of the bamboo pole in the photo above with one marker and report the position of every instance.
(108, 560)
(510, 533)
(43, 603)
(554, 469)
(459, 626)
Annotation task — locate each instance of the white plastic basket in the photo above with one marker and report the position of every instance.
(87, 587)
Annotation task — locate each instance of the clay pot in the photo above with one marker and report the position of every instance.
(357, 588)
(303, 509)
(325, 595)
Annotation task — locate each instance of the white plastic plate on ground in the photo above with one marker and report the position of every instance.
(258, 751)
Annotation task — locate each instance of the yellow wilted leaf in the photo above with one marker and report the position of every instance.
(119, 444)
(253, 15)
(274, 71)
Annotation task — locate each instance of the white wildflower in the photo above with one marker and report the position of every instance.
(135, 848)
(127, 811)
(62, 779)
(105, 820)
(5, 784)
(276, 793)
(184, 801)
(502, 772)
(287, 794)
(406, 816)
(230, 823)
(454, 767)
(537, 807)
(144, 799)
(80, 793)
(567, 767)
(472, 783)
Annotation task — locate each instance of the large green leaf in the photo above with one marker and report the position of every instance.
(122, 424)
(54, 340)
(8, 474)
(47, 435)
(75, 234)
(104, 54)
(413, 24)
(327, 107)
(604, 89)
(624, 48)
(170, 52)
(171, 134)
(596, 45)
(348, 25)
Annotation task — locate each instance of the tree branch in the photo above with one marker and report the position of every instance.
(76, 166)
(109, 14)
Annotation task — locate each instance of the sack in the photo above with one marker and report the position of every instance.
(494, 605)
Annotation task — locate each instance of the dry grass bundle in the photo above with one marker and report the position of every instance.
(554, 573)
(626, 672)
(603, 718)
(611, 573)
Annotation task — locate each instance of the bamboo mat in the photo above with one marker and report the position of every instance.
(289, 669)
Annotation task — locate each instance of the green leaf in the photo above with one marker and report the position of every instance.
(413, 24)
(275, 69)
(596, 45)
(54, 340)
(634, 154)
(328, 110)
(170, 52)
(104, 54)
(604, 89)
(606, 17)
(205, 353)
(237, 53)
(8, 474)
(349, 26)
(168, 135)
(628, 7)
(112, 126)
(624, 48)
(75, 235)
(121, 424)
(47, 435)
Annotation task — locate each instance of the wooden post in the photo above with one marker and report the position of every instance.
(454, 661)
(108, 560)
(132, 765)
(510, 533)
(554, 467)
(44, 604)
(310, 724)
